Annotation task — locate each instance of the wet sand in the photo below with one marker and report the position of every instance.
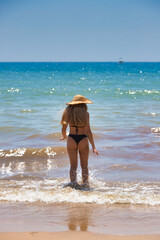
(110, 220)
(72, 236)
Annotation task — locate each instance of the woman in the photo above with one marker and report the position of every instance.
(77, 117)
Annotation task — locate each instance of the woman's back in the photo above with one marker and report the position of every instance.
(75, 115)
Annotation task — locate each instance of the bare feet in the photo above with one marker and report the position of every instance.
(72, 185)
(85, 185)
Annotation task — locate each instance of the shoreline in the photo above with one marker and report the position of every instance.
(69, 235)
(54, 218)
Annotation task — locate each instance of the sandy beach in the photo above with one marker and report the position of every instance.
(72, 235)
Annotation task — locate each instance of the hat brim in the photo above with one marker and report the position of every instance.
(87, 101)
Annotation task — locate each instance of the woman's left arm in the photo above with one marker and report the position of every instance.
(64, 128)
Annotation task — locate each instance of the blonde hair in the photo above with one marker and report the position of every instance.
(75, 115)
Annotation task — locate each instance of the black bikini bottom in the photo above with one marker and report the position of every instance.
(77, 138)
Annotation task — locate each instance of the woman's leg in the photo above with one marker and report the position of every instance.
(84, 153)
(73, 156)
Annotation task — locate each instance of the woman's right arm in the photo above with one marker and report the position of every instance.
(64, 128)
(64, 123)
(90, 135)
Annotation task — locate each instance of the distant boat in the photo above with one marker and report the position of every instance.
(121, 61)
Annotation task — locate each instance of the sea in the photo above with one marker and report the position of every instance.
(124, 193)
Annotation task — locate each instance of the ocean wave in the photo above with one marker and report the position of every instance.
(52, 136)
(137, 92)
(153, 114)
(155, 130)
(143, 129)
(14, 129)
(52, 191)
(11, 90)
(126, 167)
(32, 153)
(26, 110)
(143, 92)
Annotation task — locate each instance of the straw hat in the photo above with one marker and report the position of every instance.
(78, 99)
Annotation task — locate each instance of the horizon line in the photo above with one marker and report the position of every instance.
(78, 61)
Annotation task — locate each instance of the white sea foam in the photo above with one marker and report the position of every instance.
(151, 91)
(13, 90)
(20, 166)
(50, 152)
(50, 164)
(2, 153)
(52, 191)
(16, 152)
(132, 92)
(149, 114)
(6, 169)
(74, 196)
(153, 114)
(26, 110)
(155, 130)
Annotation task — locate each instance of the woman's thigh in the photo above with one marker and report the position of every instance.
(72, 152)
(83, 147)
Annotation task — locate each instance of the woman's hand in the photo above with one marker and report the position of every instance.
(95, 150)
(62, 138)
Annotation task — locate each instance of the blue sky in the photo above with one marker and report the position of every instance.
(79, 30)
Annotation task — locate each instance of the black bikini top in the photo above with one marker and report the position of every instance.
(77, 128)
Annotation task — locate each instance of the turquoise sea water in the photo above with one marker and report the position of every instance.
(125, 119)
(32, 96)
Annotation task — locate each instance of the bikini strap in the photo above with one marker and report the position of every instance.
(77, 128)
